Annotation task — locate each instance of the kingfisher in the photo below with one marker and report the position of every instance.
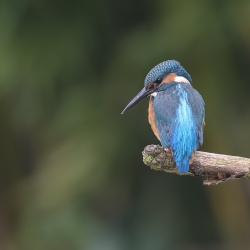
(176, 111)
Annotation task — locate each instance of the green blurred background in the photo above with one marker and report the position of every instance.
(71, 173)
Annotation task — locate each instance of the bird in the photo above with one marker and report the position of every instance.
(176, 111)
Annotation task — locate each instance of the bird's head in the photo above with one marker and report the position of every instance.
(159, 78)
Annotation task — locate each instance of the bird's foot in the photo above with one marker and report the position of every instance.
(168, 150)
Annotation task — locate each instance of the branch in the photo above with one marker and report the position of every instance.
(216, 167)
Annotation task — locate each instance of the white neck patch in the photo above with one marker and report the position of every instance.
(181, 79)
(154, 94)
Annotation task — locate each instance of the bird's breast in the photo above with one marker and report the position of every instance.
(151, 118)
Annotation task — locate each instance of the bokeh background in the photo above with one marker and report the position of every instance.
(71, 171)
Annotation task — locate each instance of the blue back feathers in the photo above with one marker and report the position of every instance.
(179, 113)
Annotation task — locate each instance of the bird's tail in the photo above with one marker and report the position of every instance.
(183, 163)
(183, 166)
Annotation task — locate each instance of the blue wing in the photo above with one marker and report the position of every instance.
(179, 112)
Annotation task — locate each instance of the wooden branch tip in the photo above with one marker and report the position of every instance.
(217, 168)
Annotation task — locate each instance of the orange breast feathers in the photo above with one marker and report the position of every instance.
(151, 119)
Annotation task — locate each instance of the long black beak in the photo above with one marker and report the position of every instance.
(142, 94)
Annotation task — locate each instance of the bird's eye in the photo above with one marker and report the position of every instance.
(158, 80)
(152, 85)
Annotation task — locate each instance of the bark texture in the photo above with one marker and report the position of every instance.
(217, 168)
